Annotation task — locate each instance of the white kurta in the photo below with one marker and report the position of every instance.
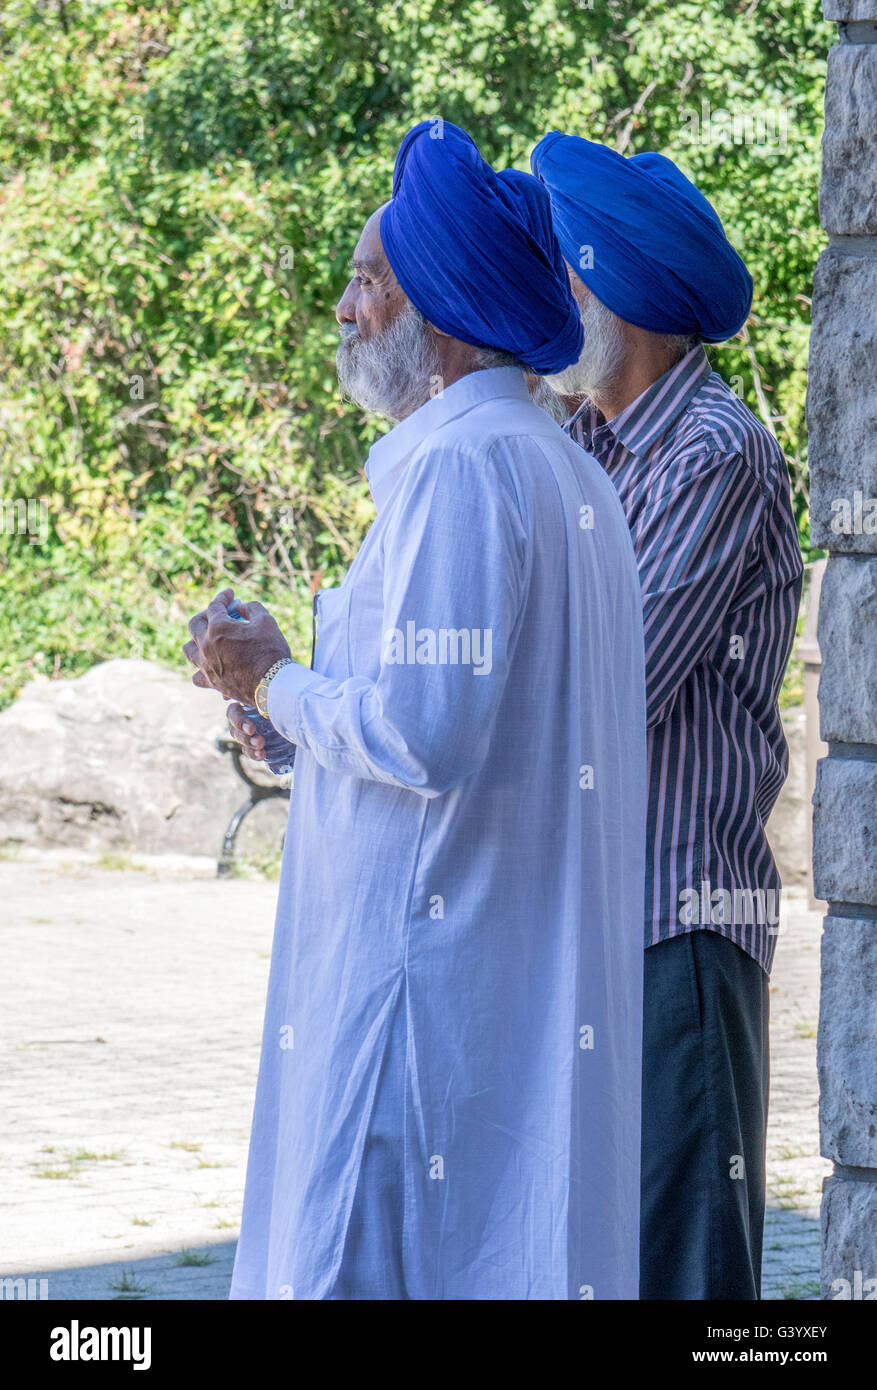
(461, 898)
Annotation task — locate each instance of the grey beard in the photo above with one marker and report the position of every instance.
(393, 373)
(601, 357)
(543, 395)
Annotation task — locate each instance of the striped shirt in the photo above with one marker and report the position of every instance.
(706, 492)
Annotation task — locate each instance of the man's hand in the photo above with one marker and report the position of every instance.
(243, 731)
(231, 656)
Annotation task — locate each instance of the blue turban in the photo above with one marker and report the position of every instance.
(643, 239)
(475, 252)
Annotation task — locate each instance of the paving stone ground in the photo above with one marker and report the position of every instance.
(130, 1034)
(790, 1267)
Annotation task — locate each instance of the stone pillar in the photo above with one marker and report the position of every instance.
(842, 417)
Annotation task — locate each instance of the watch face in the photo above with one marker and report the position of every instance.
(262, 699)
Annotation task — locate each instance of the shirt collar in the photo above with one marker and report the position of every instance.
(642, 422)
(390, 454)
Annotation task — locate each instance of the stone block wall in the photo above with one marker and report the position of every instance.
(842, 417)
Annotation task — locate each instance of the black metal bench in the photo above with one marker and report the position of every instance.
(257, 791)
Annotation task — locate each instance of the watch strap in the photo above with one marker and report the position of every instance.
(260, 697)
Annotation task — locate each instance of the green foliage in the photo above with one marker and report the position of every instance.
(182, 186)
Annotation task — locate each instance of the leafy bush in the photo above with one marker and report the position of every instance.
(181, 187)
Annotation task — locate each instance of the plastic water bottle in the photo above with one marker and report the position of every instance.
(279, 752)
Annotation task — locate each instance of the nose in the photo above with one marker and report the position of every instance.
(345, 309)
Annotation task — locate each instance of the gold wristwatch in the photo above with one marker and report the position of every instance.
(260, 698)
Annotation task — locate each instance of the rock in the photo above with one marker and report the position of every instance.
(122, 758)
(848, 678)
(849, 1239)
(842, 403)
(848, 192)
(849, 9)
(845, 831)
(847, 1043)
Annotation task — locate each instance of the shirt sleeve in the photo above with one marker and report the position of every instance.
(453, 587)
(691, 546)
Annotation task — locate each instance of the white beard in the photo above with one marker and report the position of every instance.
(545, 397)
(390, 374)
(601, 357)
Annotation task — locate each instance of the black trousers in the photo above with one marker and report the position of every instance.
(705, 1093)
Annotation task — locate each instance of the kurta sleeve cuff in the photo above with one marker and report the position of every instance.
(283, 697)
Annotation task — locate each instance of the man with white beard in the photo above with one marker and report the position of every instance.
(706, 492)
(448, 1096)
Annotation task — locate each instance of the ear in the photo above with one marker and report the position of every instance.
(439, 332)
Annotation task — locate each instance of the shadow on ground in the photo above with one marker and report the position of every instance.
(204, 1272)
(791, 1254)
(789, 1269)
